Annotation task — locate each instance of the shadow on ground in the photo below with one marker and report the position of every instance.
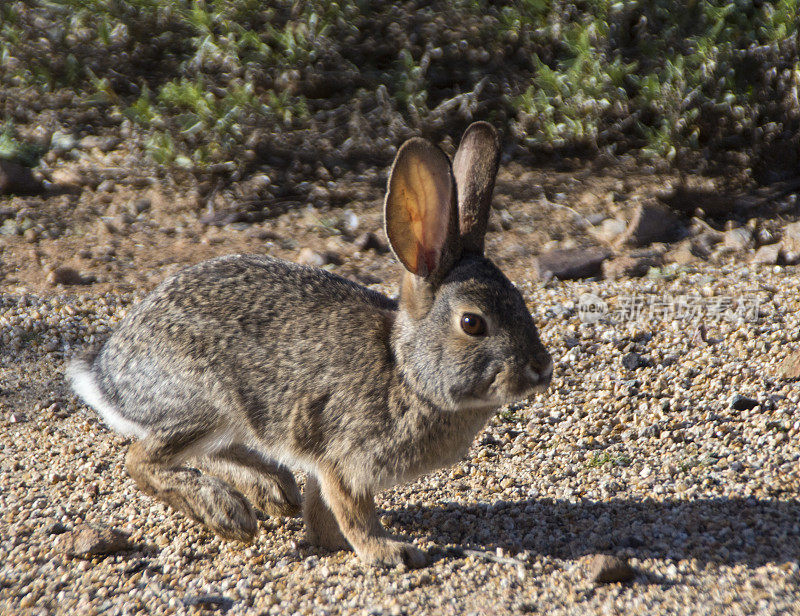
(747, 531)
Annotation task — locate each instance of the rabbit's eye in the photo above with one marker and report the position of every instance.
(473, 324)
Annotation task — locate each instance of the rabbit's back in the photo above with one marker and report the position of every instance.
(249, 335)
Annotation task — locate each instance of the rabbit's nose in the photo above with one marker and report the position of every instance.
(539, 375)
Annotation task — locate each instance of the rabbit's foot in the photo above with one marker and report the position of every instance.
(333, 541)
(214, 503)
(390, 552)
(203, 498)
(274, 495)
(270, 486)
(322, 529)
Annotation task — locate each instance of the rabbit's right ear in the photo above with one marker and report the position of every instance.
(421, 212)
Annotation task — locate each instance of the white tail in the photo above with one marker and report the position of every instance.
(84, 384)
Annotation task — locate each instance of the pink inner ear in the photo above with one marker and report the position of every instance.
(429, 258)
(420, 204)
(429, 219)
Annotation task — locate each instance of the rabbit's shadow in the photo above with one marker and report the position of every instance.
(750, 531)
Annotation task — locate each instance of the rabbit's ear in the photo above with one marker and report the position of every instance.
(420, 210)
(475, 168)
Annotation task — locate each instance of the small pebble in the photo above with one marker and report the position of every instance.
(632, 361)
(607, 569)
(369, 241)
(91, 540)
(739, 402)
(790, 366)
(68, 276)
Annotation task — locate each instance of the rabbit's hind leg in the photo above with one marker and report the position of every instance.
(154, 464)
(270, 486)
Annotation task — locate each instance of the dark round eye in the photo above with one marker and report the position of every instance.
(473, 324)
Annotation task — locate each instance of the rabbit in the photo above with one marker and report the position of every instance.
(237, 371)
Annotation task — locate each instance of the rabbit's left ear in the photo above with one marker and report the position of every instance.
(475, 168)
(420, 210)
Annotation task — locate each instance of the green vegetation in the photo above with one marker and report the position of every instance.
(510, 415)
(600, 460)
(695, 460)
(14, 148)
(704, 84)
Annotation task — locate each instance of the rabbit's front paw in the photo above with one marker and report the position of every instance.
(275, 496)
(329, 538)
(392, 553)
(225, 511)
(322, 529)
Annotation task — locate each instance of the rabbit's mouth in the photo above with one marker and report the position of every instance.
(492, 400)
(479, 404)
(482, 396)
(503, 386)
(507, 386)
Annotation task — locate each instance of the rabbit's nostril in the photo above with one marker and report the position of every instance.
(540, 376)
(532, 375)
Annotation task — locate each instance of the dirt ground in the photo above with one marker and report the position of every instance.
(126, 230)
(649, 462)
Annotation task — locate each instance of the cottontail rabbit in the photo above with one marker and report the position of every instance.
(246, 366)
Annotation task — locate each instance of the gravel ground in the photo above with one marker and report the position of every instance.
(640, 449)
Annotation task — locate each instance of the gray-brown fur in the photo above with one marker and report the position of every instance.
(269, 486)
(475, 168)
(321, 526)
(246, 365)
(203, 498)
